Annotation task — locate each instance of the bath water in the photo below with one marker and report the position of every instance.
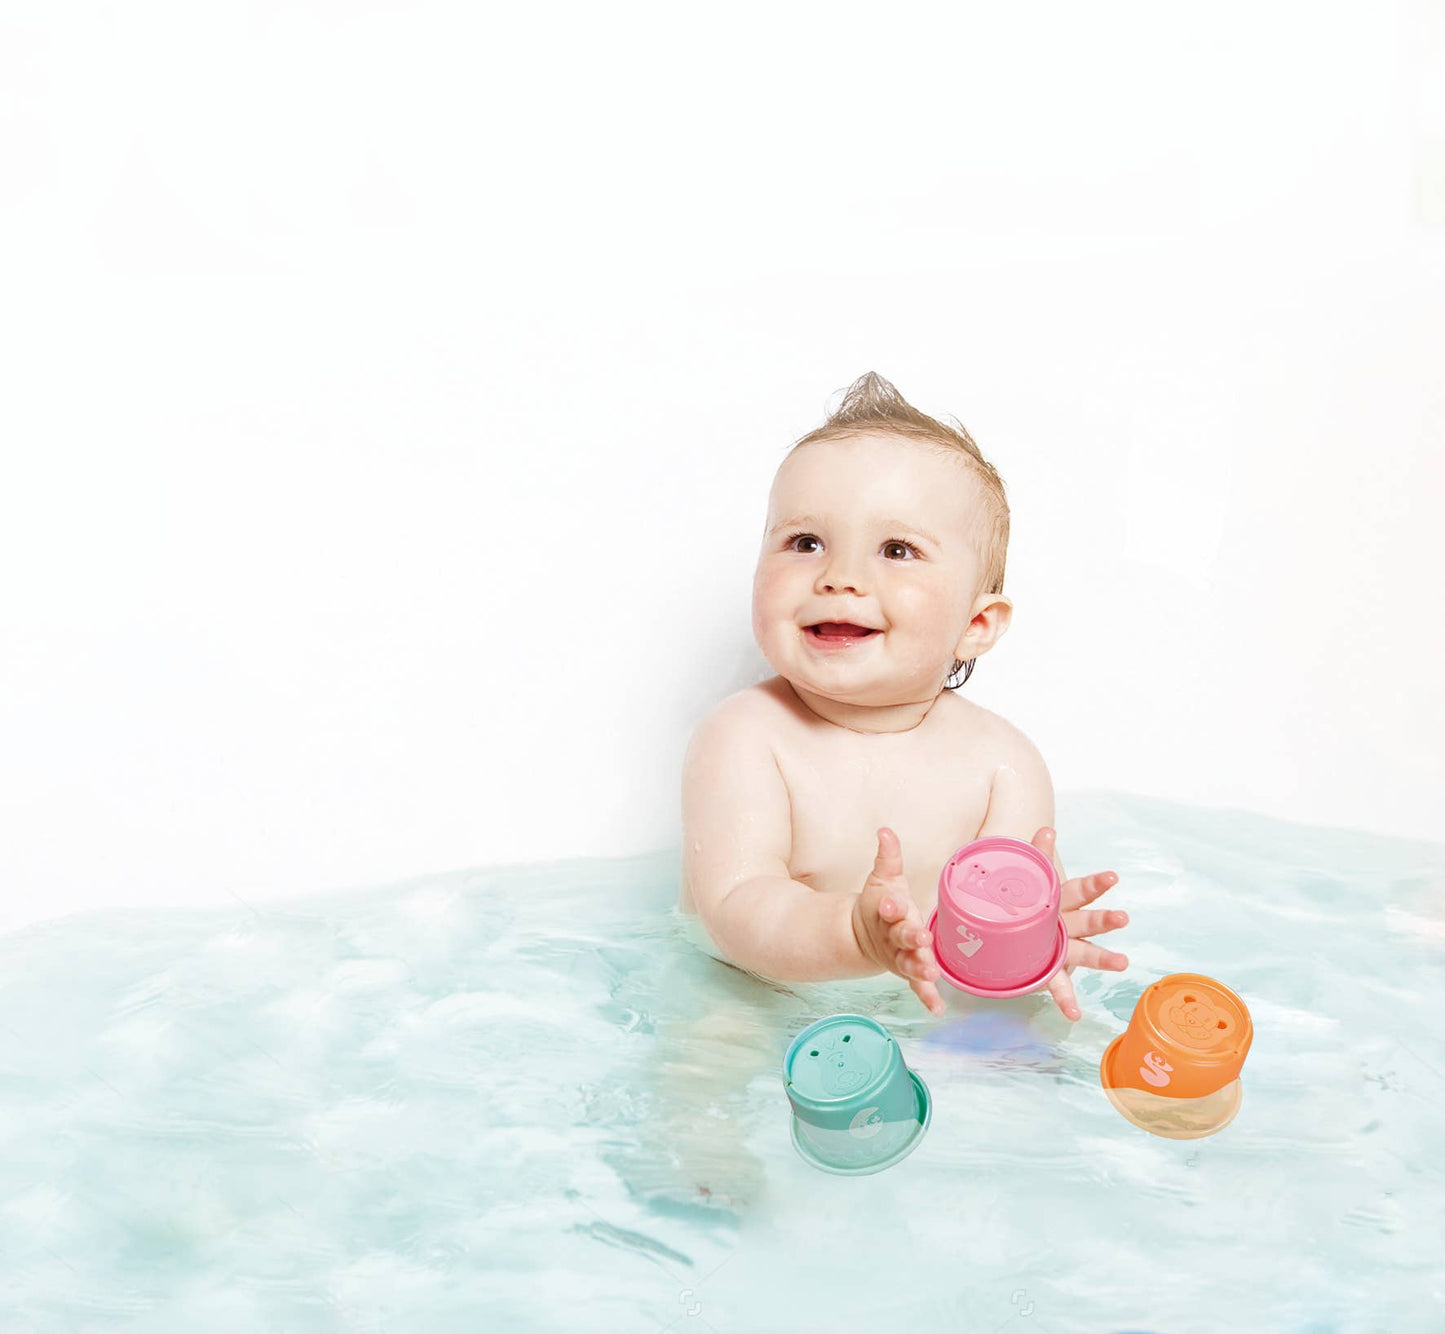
(523, 1098)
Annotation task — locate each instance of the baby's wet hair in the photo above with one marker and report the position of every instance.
(872, 406)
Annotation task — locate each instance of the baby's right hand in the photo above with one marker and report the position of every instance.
(889, 928)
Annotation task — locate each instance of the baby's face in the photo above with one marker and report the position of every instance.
(875, 531)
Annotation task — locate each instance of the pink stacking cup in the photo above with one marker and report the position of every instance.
(998, 930)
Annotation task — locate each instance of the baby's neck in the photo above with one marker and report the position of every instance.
(868, 719)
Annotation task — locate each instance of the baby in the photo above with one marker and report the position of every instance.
(880, 576)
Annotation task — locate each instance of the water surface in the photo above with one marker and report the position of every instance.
(521, 1099)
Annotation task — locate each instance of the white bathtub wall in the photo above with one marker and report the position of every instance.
(392, 394)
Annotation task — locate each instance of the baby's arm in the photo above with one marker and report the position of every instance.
(736, 841)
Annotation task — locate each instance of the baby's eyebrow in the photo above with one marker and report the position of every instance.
(881, 523)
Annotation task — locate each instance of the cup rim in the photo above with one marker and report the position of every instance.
(925, 1100)
(1061, 952)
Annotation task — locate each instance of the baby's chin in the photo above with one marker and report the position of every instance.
(859, 679)
(868, 674)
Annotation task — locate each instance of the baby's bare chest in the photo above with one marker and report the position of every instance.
(932, 792)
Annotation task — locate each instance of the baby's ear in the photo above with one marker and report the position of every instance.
(1001, 609)
(992, 614)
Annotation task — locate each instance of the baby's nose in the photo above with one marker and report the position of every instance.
(843, 572)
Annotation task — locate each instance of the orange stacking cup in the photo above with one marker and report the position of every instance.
(1187, 1038)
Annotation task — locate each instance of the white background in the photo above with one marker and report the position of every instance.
(391, 394)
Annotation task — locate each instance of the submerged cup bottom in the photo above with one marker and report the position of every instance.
(869, 1146)
(1170, 1118)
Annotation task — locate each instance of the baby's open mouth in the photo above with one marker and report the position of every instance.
(840, 630)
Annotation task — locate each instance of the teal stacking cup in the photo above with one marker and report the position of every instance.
(857, 1107)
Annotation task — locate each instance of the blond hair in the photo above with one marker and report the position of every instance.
(872, 406)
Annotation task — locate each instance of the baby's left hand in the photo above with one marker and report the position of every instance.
(1075, 893)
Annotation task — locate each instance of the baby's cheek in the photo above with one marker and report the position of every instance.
(918, 649)
(931, 620)
(771, 594)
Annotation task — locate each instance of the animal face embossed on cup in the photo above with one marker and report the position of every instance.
(968, 943)
(1196, 1022)
(843, 1072)
(1011, 891)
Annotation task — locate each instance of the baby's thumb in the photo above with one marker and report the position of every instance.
(889, 861)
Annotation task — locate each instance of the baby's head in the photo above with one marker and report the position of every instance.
(885, 518)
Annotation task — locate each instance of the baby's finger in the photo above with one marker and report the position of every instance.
(1061, 988)
(907, 934)
(928, 994)
(1085, 954)
(893, 908)
(1093, 922)
(1084, 889)
(889, 861)
(917, 963)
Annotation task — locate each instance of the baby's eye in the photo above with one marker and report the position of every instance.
(808, 537)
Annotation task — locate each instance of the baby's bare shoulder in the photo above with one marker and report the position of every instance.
(751, 708)
(1001, 742)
